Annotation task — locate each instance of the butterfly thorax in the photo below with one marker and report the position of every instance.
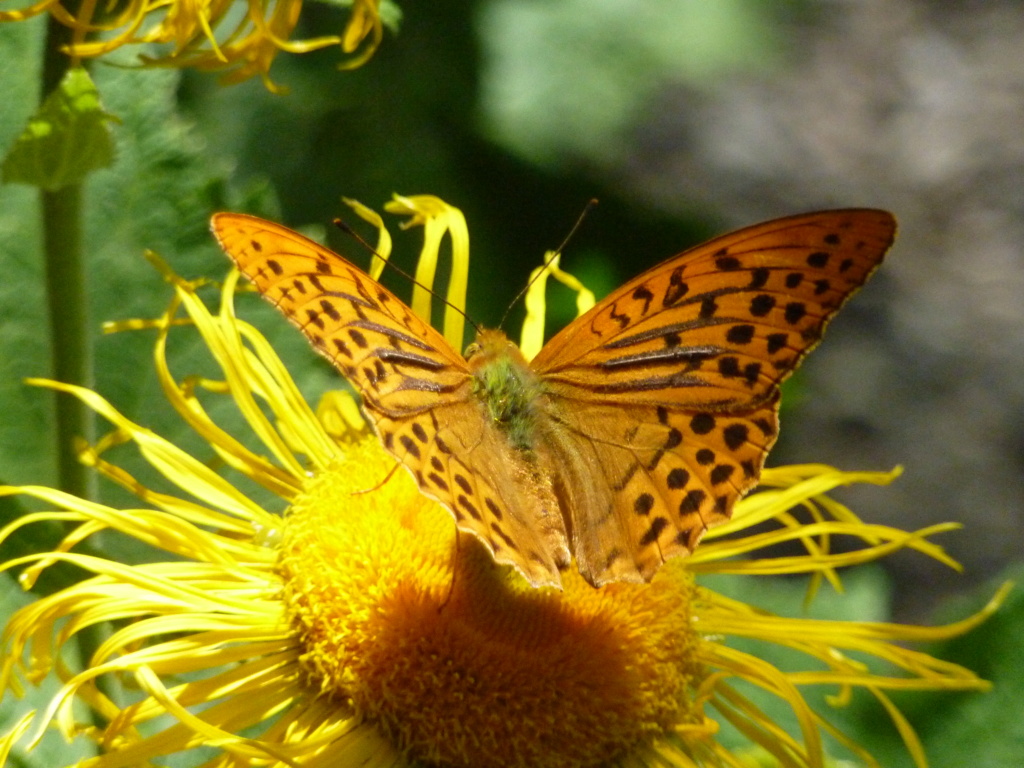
(505, 386)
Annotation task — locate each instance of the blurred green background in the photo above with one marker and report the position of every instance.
(685, 119)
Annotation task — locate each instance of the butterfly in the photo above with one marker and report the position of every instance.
(634, 430)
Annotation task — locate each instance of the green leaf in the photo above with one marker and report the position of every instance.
(158, 193)
(65, 140)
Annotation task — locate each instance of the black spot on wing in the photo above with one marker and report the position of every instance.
(740, 334)
(658, 525)
(729, 367)
(467, 505)
(818, 259)
(721, 473)
(330, 310)
(691, 502)
(643, 293)
(777, 341)
(761, 305)
(795, 312)
(357, 338)
(409, 445)
(643, 504)
(494, 508)
(708, 307)
(702, 423)
(759, 277)
(735, 435)
(677, 478)
(676, 288)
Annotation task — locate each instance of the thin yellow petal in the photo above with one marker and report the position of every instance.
(384, 244)
(437, 219)
(532, 337)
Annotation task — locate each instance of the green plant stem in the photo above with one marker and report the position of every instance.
(62, 215)
(68, 303)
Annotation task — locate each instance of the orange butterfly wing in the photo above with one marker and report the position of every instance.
(655, 410)
(662, 400)
(416, 391)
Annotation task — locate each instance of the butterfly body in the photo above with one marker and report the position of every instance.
(634, 430)
(506, 387)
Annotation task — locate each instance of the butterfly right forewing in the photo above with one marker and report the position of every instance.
(416, 391)
(374, 339)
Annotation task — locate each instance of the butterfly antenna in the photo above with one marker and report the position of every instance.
(591, 204)
(347, 229)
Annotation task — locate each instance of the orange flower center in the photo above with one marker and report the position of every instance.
(459, 661)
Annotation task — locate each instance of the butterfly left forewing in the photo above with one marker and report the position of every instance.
(670, 385)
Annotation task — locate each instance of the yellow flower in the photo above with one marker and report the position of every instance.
(358, 629)
(207, 34)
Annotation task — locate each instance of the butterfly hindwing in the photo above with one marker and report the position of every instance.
(645, 489)
(460, 461)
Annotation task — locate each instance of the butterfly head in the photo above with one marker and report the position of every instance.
(491, 344)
